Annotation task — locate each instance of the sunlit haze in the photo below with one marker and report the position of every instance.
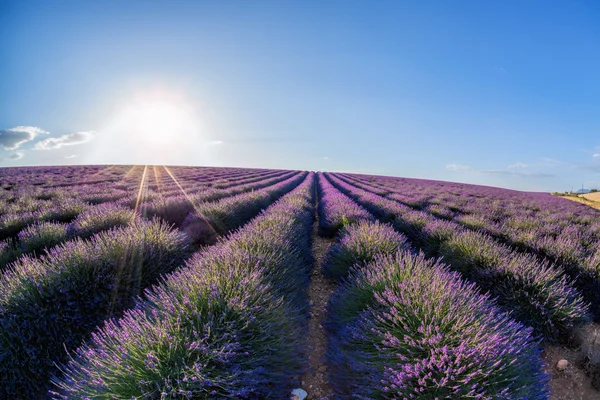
(155, 127)
(495, 93)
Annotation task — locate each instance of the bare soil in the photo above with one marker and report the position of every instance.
(314, 380)
(577, 381)
(573, 383)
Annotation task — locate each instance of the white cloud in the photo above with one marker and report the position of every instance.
(71, 139)
(325, 158)
(71, 156)
(13, 138)
(215, 142)
(596, 155)
(554, 161)
(519, 164)
(516, 173)
(458, 167)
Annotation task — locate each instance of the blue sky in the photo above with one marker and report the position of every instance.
(502, 93)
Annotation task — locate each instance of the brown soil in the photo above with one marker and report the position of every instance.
(314, 380)
(575, 382)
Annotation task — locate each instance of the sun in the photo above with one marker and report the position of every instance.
(157, 120)
(155, 127)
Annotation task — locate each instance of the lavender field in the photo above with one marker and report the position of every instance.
(154, 282)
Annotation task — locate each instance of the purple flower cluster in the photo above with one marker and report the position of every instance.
(336, 210)
(42, 235)
(99, 218)
(537, 293)
(405, 327)
(358, 245)
(228, 325)
(8, 252)
(50, 304)
(175, 209)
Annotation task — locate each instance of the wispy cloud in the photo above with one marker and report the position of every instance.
(17, 155)
(215, 142)
(554, 161)
(519, 165)
(459, 167)
(516, 173)
(71, 156)
(71, 139)
(589, 165)
(13, 138)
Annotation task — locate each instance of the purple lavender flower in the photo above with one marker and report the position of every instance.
(405, 326)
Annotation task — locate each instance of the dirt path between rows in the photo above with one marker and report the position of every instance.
(576, 381)
(314, 380)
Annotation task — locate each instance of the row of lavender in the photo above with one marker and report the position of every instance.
(532, 220)
(34, 231)
(537, 293)
(563, 232)
(230, 324)
(45, 303)
(66, 176)
(402, 326)
(53, 203)
(155, 181)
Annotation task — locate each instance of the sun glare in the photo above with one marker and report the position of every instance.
(154, 128)
(157, 121)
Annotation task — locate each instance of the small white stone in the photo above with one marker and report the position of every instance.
(298, 394)
(562, 365)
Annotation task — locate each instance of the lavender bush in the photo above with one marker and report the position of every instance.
(99, 218)
(12, 223)
(50, 304)
(41, 236)
(358, 245)
(64, 211)
(8, 252)
(406, 327)
(337, 210)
